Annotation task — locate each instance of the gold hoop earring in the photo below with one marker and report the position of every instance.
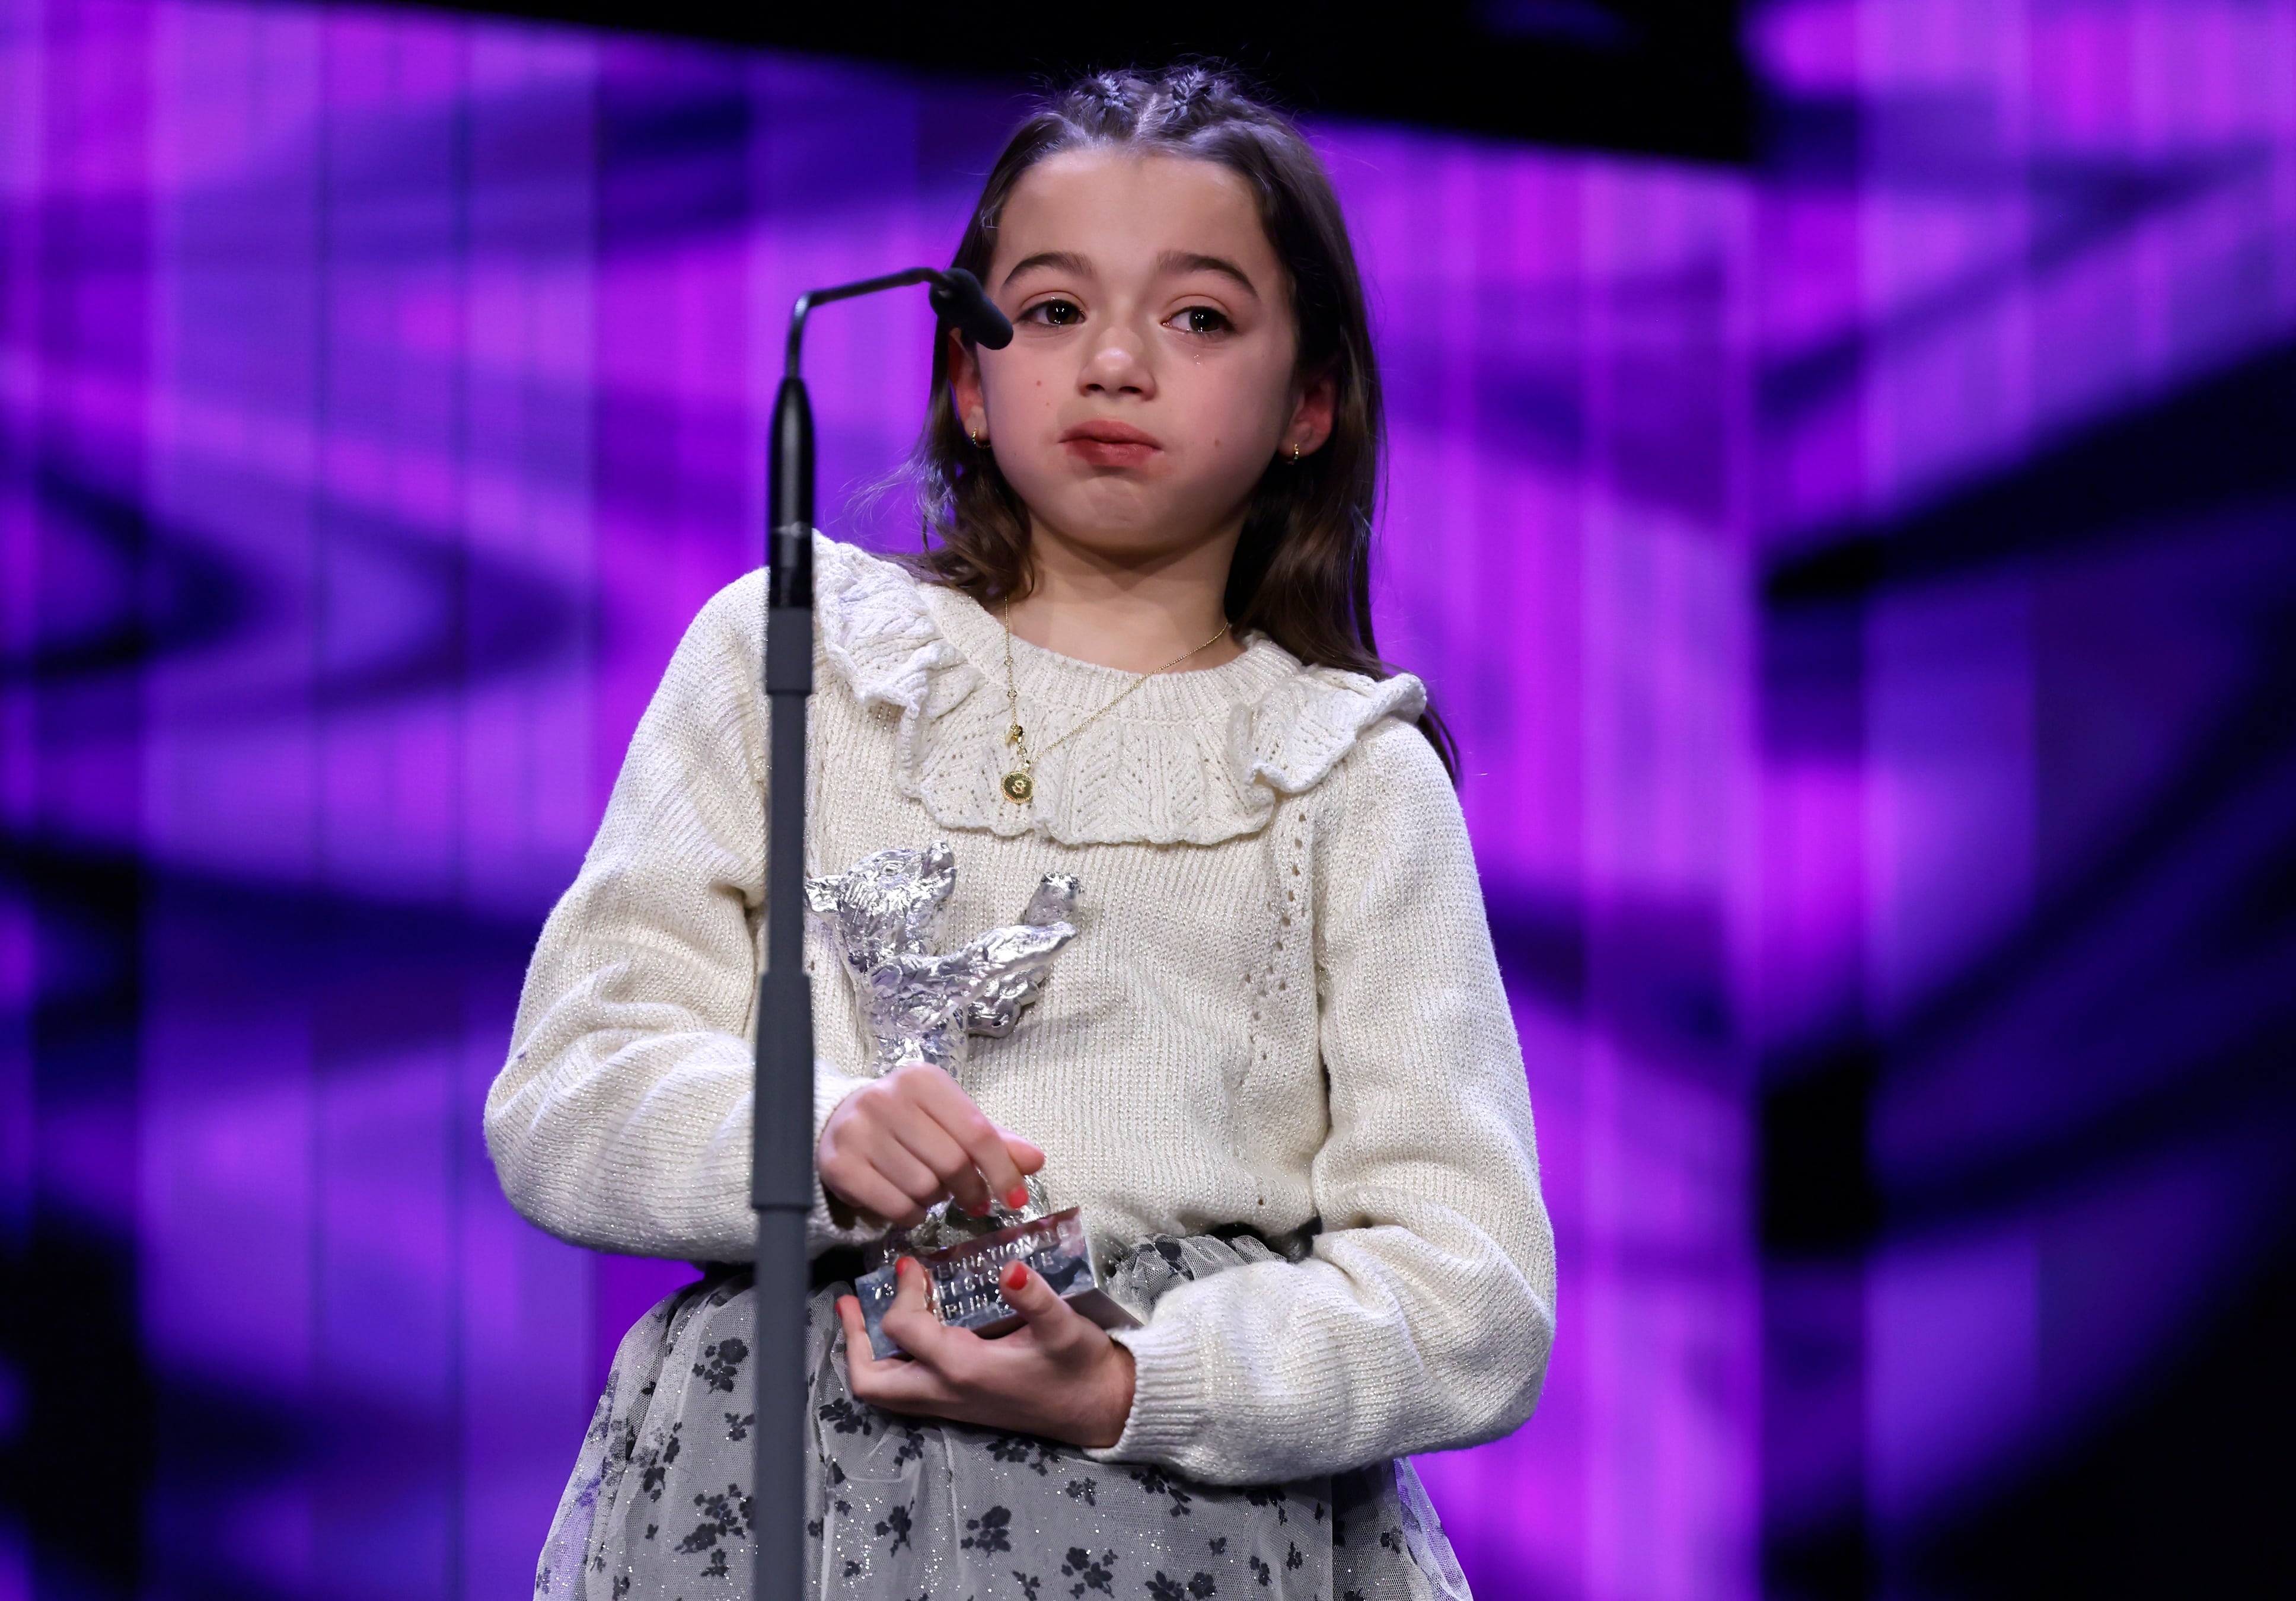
(1296, 454)
(978, 443)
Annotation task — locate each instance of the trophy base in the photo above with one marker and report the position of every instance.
(961, 1280)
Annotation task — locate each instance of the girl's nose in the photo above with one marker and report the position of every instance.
(1116, 365)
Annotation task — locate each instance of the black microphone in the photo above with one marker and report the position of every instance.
(958, 298)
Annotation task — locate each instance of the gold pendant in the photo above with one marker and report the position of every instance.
(1018, 785)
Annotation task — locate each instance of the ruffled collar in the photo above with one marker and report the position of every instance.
(1191, 758)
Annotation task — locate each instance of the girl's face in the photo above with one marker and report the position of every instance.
(1151, 377)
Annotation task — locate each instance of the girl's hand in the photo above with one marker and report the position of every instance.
(912, 1138)
(1058, 1374)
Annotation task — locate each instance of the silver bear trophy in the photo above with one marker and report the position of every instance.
(884, 915)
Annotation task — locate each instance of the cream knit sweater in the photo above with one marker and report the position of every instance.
(1281, 1005)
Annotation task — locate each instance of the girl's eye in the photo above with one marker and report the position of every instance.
(1055, 313)
(1202, 319)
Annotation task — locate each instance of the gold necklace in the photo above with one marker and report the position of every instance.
(1020, 784)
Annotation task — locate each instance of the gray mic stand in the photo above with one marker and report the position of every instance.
(781, 1183)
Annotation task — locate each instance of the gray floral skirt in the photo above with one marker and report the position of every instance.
(658, 1508)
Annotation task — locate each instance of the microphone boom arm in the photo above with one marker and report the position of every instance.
(812, 298)
(956, 295)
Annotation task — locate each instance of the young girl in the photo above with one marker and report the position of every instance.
(1277, 1050)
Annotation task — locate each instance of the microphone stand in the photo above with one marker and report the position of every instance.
(781, 1158)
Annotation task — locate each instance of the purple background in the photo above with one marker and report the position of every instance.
(1862, 585)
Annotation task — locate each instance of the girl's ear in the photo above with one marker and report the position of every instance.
(964, 388)
(1312, 414)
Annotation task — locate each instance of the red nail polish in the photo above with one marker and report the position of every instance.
(1016, 1275)
(1017, 1196)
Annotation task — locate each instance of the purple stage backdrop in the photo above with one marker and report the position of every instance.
(1862, 585)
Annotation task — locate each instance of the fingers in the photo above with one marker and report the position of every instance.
(866, 1190)
(1059, 1327)
(1025, 1156)
(890, 1382)
(870, 1169)
(911, 1138)
(847, 1161)
(910, 1320)
(863, 1157)
(921, 1384)
(952, 1166)
(982, 1143)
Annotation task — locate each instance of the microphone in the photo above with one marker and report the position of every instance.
(958, 298)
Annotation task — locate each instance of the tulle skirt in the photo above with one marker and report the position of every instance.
(658, 1506)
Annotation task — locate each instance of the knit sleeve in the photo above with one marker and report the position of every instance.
(621, 1119)
(1423, 1318)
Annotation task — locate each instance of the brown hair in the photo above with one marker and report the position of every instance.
(1302, 569)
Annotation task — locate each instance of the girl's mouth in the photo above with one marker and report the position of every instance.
(1110, 444)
